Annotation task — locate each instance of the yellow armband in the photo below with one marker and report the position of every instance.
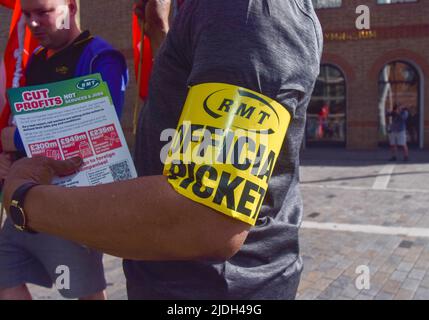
(225, 148)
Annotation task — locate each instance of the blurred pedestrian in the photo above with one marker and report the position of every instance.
(398, 132)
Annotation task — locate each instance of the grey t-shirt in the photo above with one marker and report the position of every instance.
(269, 46)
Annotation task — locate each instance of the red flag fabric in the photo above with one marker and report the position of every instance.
(18, 50)
(147, 57)
(2, 84)
(8, 3)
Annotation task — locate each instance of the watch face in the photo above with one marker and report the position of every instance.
(17, 216)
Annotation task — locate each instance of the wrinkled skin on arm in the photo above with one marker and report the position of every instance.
(155, 16)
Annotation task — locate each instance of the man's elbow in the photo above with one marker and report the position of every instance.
(227, 243)
(220, 250)
(228, 250)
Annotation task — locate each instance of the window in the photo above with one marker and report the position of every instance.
(326, 118)
(319, 4)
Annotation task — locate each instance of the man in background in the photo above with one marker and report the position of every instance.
(398, 132)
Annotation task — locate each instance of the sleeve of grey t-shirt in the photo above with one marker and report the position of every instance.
(269, 46)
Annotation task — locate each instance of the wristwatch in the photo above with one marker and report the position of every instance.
(16, 209)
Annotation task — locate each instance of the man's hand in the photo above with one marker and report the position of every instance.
(39, 170)
(155, 16)
(7, 139)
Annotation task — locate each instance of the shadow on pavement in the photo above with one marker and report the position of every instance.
(342, 157)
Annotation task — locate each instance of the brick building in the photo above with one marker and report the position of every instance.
(363, 73)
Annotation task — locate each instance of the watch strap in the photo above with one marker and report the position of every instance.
(18, 200)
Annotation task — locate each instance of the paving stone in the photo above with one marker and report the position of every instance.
(421, 242)
(363, 297)
(391, 286)
(350, 291)
(330, 293)
(394, 260)
(421, 263)
(322, 284)
(343, 298)
(344, 264)
(309, 294)
(410, 284)
(333, 273)
(406, 244)
(351, 271)
(342, 281)
(425, 281)
(326, 266)
(384, 296)
(417, 274)
(387, 268)
(405, 266)
(411, 258)
(421, 294)
(399, 276)
(404, 294)
(304, 285)
(402, 252)
(373, 290)
(313, 276)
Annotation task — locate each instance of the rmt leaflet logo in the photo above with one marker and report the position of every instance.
(250, 112)
(88, 84)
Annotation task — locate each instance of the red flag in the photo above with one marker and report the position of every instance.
(2, 84)
(8, 3)
(19, 47)
(146, 63)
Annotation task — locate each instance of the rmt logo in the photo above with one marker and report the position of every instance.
(242, 109)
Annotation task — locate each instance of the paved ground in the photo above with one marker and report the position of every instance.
(362, 211)
(359, 211)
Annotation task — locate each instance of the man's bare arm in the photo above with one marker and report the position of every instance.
(155, 15)
(141, 219)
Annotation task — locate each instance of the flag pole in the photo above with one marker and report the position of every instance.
(139, 82)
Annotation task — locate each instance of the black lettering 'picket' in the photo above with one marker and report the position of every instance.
(198, 188)
(191, 176)
(226, 190)
(246, 197)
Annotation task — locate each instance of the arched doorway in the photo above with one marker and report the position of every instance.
(326, 117)
(399, 85)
